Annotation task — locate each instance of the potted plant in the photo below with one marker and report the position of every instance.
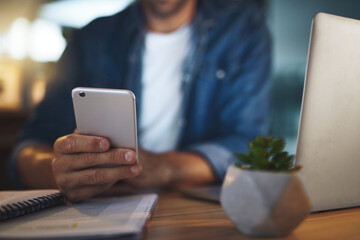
(261, 194)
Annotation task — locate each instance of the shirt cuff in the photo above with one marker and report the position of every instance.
(12, 162)
(216, 155)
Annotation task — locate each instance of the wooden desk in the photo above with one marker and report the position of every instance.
(177, 217)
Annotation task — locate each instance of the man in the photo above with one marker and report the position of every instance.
(200, 72)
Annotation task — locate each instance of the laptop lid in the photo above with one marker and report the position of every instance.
(207, 192)
(329, 133)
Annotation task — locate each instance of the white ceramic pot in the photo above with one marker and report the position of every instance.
(264, 204)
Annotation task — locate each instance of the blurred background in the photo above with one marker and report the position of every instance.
(33, 36)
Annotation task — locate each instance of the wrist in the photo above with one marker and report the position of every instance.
(169, 168)
(159, 166)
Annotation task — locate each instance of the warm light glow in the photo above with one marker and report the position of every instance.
(42, 39)
(46, 42)
(10, 85)
(16, 41)
(1, 45)
(38, 89)
(77, 13)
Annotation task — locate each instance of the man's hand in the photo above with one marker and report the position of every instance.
(171, 169)
(75, 156)
(69, 168)
(155, 174)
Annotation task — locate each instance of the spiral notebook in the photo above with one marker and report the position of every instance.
(110, 217)
(18, 203)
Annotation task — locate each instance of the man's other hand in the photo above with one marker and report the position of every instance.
(171, 169)
(157, 171)
(76, 165)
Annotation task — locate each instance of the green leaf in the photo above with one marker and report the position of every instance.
(279, 157)
(283, 161)
(243, 166)
(251, 145)
(259, 152)
(277, 145)
(244, 158)
(266, 153)
(262, 141)
(263, 163)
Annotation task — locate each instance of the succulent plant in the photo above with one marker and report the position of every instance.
(267, 154)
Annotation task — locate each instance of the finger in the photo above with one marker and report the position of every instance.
(77, 143)
(79, 161)
(98, 176)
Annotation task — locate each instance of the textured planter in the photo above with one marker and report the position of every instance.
(264, 204)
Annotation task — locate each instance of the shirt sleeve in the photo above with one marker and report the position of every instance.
(53, 116)
(244, 112)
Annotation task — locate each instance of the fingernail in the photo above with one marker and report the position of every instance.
(102, 144)
(128, 156)
(134, 169)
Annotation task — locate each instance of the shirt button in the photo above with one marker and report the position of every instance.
(220, 74)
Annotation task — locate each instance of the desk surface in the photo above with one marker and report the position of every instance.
(177, 217)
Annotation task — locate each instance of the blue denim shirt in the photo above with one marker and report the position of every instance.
(225, 79)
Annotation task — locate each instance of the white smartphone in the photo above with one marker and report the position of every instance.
(108, 113)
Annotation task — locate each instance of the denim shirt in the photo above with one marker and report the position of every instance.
(225, 79)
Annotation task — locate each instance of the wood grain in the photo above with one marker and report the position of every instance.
(177, 217)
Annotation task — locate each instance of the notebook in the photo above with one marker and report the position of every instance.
(114, 217)
(18, 203)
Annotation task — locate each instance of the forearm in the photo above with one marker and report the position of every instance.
(34, 167)
(178, 168)
(188, 168)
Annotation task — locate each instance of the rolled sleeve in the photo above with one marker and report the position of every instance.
(223, 116)
(219, 157)
(53, 116)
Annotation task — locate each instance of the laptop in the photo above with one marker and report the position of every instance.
(328, 145)
(207, 192)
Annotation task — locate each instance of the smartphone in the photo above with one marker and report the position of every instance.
(109, 113)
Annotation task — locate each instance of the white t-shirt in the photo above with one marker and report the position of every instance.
(161, 98)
